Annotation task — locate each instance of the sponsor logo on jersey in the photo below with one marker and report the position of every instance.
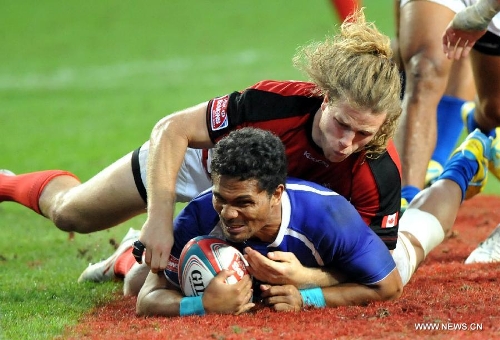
(218, 113)
(173, 264)
(311, 158)
(390, 221)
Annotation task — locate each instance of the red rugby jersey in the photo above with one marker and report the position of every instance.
(287, 109)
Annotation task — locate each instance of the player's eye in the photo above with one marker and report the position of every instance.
(218, 200)
(365, 133)
(343, 125)
(244, 204)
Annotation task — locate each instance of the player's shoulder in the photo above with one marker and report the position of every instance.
(296, 185)
(202, 201)
(304, 197)
(204, 194)
(307, 196)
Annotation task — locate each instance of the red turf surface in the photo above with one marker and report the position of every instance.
(444, 292)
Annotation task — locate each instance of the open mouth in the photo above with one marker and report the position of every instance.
(234, 228)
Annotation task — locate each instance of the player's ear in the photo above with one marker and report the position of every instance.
(276, 198)
(325, 102)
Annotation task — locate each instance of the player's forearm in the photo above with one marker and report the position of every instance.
(158, 303)
(352, 294)
(155, 300)
(318, 277)
(476, 17)
(166, 153)
(169, 141)
(348, 294)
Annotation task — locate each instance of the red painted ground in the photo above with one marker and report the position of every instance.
(458, 299)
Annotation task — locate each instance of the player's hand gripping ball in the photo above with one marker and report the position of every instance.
(203, 258)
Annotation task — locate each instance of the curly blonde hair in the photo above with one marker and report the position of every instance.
(356, 66)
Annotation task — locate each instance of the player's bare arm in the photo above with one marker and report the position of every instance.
(282, 268)
(168, 143)
(345, 294)
(289, 298)
(158, 297)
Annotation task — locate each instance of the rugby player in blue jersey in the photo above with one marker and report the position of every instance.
(255, 207)
(296, 235)
(306, 243)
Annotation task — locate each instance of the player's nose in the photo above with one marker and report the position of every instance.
(228, 212)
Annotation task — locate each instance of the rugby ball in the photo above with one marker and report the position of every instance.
(202, 258)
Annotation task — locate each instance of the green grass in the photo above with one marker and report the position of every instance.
(83, 83)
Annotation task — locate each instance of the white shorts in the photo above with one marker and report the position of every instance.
(458, 5)
(191, 180)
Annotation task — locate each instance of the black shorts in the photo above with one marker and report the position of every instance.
(488, 44)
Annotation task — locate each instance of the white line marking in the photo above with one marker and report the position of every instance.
(118, 75)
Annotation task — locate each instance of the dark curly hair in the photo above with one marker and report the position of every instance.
(251, 153)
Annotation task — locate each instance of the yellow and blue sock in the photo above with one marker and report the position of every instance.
(461, 170)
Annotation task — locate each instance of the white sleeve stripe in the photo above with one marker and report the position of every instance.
(301, 187)
(375, 282)
(285, 230)
(307, 243)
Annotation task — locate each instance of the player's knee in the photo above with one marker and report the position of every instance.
(491, 108)
(66, 222)
(67, 218)
(134, 279)
(425, 73)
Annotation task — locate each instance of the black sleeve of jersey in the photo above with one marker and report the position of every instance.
(388, 181)
(253, 105)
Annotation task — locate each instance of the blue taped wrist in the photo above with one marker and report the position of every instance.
(313, 297)
(191, 306)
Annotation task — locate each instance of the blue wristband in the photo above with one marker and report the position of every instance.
(313, 297)
(191, 306)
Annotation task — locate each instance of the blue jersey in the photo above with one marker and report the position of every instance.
(319, 226)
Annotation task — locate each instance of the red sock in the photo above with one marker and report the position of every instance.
(26, 189)
(345, 7)
(124, 262)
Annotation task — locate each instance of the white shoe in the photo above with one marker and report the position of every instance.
(104, 270)
(488, 250)
(6, 172)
